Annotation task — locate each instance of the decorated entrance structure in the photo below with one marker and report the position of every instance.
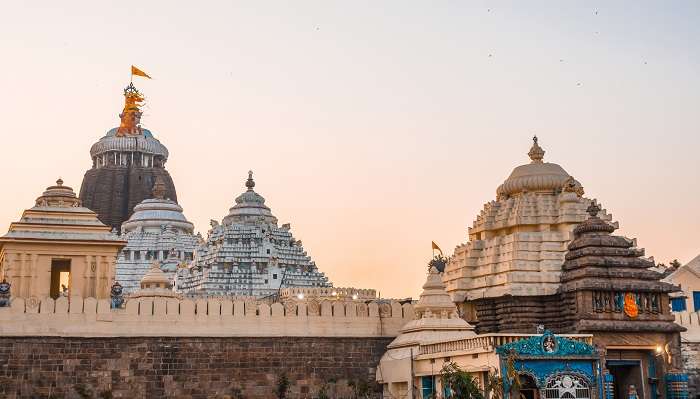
(550, 367)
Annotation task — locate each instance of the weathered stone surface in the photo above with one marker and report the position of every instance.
(113, 191)
(35, 367)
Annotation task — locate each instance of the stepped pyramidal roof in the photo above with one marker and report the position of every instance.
(517, 243)
(249, 254)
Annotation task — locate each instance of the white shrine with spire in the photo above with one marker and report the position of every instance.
(158, 232)
(249, 255)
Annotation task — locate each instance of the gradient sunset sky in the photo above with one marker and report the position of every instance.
(373, 127)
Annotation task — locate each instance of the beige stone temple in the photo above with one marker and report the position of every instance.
(517, 243)
(59, 248)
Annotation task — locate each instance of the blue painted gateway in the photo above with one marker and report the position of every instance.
(551, 367)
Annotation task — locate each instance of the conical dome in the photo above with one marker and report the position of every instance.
(436, 316)
(156, 212)
(250, 207)
(537, 176)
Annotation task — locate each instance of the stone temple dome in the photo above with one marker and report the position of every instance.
(157, 231)
(537, 176)
(153, 213)
(249, 255)
(250, 207)
(517, 243)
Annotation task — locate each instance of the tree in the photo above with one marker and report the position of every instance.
(494, 386)
(282, 386)
(461, 384)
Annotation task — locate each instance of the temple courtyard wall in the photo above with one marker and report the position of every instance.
(690, 349)
(187, 367)
(78, 348)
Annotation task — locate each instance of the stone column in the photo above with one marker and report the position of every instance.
(86, 277)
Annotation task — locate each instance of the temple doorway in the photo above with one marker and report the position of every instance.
(60, 278)
(528, 387)
(626, 373)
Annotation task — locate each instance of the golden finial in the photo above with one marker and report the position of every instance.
(131, 114)
(250, 183)
(536, 152)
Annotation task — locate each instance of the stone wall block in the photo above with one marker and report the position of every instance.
(90, 307)
(146, 307)
(326, 309)
(338, 309)
(185, 367)
(396, 310)
(227, 308)
(214, 308)
(104, 311)
(251, 309)
(160, 307)
(264, 310)
(187, 309)
(201, 308)
(48, 306)
(373, 308)
(61, 305)
(238, 308)
(350, 309)
(277, 310)
(408, 313)
(302, 310)
(172, 306)
(76, 305)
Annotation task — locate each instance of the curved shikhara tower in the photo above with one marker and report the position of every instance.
(125, 165)
(517, 243)
(249, 255)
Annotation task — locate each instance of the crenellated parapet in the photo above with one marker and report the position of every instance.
(173, 317)
(333, 293)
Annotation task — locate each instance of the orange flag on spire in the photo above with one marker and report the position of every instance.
(138, 72)
(435, 246)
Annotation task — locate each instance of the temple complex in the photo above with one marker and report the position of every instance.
(125, 165)
(248, 254)
(59, 248)
(517, 244)
(156, 231)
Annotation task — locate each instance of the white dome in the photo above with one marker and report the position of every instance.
(157, 212)
(537, 176)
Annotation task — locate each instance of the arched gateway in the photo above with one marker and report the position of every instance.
(551, 367)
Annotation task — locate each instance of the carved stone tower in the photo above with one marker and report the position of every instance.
(125, 165)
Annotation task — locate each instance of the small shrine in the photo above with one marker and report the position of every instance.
(59, 248)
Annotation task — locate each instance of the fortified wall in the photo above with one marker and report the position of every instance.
(690, 349)
(157, 347)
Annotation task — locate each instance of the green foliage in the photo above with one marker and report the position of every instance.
(494, 386)
(322, 392)
(282, 386)
(83, 391)
(461, 383)
(438, 262)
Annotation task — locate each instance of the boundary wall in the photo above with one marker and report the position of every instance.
(171, 317)
(690, 349)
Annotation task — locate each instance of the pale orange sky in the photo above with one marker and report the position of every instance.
(373, 128)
